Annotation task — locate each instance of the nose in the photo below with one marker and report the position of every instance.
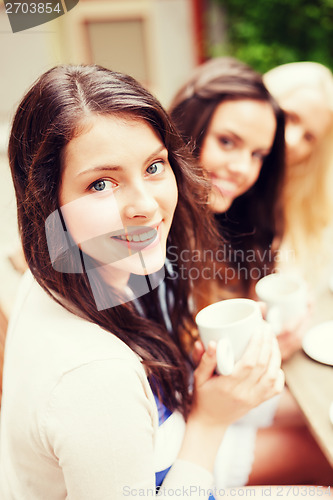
(240, 164)
(140, 202)
(296, 147)
(293, 136)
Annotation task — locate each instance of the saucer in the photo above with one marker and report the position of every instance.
(318, 343)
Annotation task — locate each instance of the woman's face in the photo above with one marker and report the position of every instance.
(239, 137)
(118, 194)
(307, 120)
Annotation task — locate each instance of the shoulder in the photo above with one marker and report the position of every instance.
(51, 344)
(38, 318)
(95, 405)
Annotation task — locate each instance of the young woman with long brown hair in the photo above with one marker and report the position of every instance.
(236, 130)
(96, 352)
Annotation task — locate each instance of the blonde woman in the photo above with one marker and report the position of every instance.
(304, 91)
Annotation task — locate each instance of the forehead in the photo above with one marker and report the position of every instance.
(100, 138)
(247, 117)
(94, 121)
(310, 107)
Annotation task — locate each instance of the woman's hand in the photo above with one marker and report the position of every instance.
(221, 400)
(290, 338)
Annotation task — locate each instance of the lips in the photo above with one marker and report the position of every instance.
(227, 189)
(138, 238)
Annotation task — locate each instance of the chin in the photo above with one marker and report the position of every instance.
(297, 160)
(151, 267)
(220, 206)
(145, 263)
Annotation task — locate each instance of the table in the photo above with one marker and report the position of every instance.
(311, 383)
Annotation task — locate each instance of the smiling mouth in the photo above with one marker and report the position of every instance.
(123, 243)
(137, 238)
(225, 191)
(149, 235)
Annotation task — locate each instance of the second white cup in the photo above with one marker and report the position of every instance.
(286, 298)
(230, 323)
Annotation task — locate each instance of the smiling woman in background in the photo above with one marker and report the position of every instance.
(237, 134)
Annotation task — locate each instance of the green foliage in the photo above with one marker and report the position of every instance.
(266, 33)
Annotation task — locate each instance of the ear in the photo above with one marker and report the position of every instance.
(64, 253)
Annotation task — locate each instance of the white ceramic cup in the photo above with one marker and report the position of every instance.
(230, 323)
(285, 296)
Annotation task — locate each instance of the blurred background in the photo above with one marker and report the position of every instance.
(156, 41)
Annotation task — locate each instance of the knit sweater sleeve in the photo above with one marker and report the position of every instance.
(99, 425)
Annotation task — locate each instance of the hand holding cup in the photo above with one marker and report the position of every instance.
(230, 323)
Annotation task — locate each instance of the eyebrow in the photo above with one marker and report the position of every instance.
(229, 132)
(264, 149)
(117, 168)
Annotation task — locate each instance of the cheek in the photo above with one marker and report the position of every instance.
(169, 198)
(173, 202)
(89, 217)
(304, 153)
(211, 156)
(299, 152)
(252, 178)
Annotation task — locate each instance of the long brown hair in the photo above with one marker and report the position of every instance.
(254, 219)
(48, 117)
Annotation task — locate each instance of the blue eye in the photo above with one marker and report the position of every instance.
(155, 168)
(101, 185)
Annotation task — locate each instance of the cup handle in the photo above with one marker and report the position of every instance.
(225, 357)
(274, 319)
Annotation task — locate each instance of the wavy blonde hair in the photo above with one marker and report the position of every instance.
(307, 192)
